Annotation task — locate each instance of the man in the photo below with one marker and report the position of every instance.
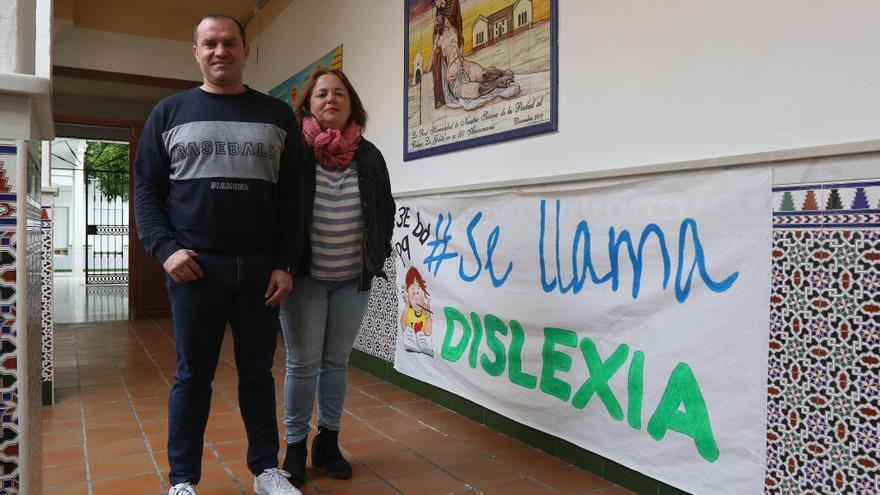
(213, 204)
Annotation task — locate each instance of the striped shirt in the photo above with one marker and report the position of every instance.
(337, 228)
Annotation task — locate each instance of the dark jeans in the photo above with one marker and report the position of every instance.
(231, 290)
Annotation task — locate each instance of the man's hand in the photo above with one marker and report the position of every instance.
(182, 266)
(280, 284)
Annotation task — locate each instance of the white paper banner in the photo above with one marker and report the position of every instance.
(631, 320)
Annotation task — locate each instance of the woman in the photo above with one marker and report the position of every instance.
(342, 241)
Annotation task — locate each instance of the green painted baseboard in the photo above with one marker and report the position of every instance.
(48, 393)
(567, 451)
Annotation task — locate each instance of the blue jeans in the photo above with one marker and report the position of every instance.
(320, 321)
(231, 290)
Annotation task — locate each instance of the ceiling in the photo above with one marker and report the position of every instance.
(111, 89)
(168, 19)
(165, 19)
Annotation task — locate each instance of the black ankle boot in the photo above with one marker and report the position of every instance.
(325, 454)
(295, 462)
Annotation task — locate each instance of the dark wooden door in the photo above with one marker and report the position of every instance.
(147, 296)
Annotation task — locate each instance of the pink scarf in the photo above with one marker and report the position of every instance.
(331, 146)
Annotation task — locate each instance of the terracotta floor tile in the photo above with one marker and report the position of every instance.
(61, 456)
(442, 417)
(362, 402)
(398, 397)
(419, 408)
(161, 457)
(453, 453)
(493, 443)
(240, 473)
(530, 461)
(521, 486)
(373, 446)
(60, 408)
(433, 482)
(355, 430)
(113, 433)
(149, 392)
(379, 388)
(62, 426)
(572, 480)
(120, 418)
(612, 490)
(424, 439)
(158, 438)
(470, 429)
(234, 450)
(372, 488)
(74, 489)
(153, 414)
(121, 467)
(396, 426)
(64, 475)
(401, 463)
(116, 448)
(226, 434)
(359, 475)
(482, 471)
(224, 420)
(144, 484)
(214, 473)
(376, 413)
(229, 488)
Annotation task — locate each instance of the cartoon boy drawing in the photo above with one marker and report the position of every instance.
(416, 321)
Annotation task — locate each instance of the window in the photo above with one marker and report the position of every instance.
(481, 37)
(522, 19)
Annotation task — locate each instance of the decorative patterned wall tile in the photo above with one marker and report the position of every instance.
(378, 329)
(824, 367)
(829, 205)
(46, 296)
(9, 349)
(9, 452)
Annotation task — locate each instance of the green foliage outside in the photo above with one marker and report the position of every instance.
(107, 164)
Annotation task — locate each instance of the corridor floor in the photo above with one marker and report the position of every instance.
(106, 433)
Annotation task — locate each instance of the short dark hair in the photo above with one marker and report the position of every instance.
(358, 112)
(219, 15)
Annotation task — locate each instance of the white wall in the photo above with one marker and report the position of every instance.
(17, 33)
(43, 41)
(114, 52)
(640, 82)
(7, 35)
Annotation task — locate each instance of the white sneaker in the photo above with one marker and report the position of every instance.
(182, 489)
(274, 481)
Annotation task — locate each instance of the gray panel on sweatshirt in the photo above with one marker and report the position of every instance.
(214, 149)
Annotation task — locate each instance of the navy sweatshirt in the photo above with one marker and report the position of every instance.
(213, 173)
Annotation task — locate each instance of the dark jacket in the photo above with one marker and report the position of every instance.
(377, 210)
